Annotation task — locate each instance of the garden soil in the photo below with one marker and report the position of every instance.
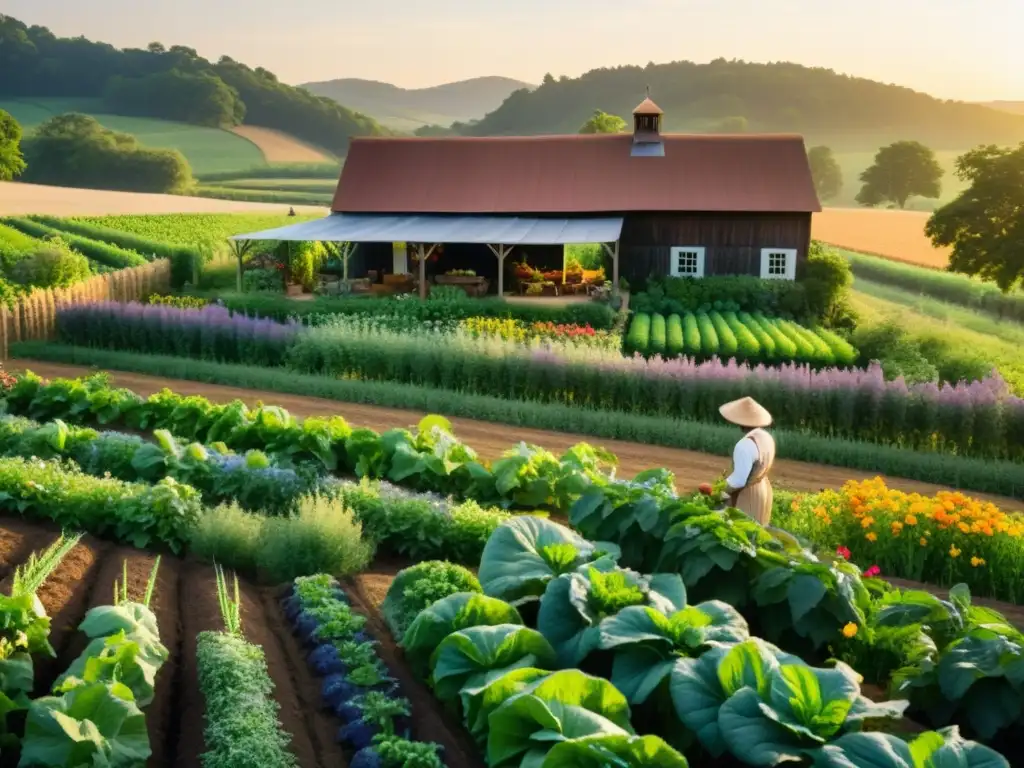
(490, 440)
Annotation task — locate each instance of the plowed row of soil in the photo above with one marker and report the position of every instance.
(691, 468)
(185, 604)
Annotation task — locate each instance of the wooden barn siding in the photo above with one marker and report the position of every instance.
(733, 241)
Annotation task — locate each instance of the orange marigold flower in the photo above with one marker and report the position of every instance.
(871, 536)
(910, 519)
(924, 542)
(867, 522)
(976, 561)
(954, 552)
(850, 630)
(964, 527)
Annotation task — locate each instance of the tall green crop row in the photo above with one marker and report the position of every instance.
(764, 339)
(638, 340)
(100, 252)
(844, 352)
(748, 346)
(727, 344)
(691, 335)
(658, 342)
(785, 347)
(675, 336)
(148, 247)
(709, 345)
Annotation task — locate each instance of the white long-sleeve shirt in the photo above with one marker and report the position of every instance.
(744, 456)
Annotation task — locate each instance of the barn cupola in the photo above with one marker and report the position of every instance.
(647, 129)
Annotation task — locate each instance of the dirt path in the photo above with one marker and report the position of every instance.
(489, 440)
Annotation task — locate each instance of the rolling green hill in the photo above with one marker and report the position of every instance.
(208, 150)
(407, 109)
(848, 113)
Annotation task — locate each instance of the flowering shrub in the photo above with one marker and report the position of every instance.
(181, 302)
(521, 332)
(943, 539)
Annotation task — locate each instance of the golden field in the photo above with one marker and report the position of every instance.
(897, 235)
(279, 147)
(20, 199)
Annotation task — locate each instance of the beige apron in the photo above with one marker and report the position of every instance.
(755, 498)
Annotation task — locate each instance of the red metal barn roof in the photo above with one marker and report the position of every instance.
(576, 174)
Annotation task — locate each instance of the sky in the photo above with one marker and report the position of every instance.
(956, 49)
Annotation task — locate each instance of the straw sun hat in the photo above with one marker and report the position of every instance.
(746, 412)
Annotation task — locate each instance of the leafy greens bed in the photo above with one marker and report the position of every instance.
(690, 648)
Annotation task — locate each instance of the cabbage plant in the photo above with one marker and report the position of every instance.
(525, 553)
(561, 706)
(932, 749)
(450, 614)
(613, 751)
(647, 642)
(464, 658)
(765, 706)
(576, 605)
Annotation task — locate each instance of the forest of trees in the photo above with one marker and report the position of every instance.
(845, 112)
(172, 83)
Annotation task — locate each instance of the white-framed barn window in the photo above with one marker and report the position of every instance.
(778, 264)
(687, 261)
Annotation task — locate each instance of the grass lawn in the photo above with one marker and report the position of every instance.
(999, 342)
(296, 185)
(208, 150)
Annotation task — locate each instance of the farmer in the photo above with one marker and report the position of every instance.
(747, 487)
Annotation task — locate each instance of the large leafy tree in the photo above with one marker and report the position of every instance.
(11, 161)
(901, 170)
(825, 170)
(985, 224)
(602, 122)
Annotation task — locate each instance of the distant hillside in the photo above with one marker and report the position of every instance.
(410, 108)
(169, 83)
(847, 112)
(1014, 107)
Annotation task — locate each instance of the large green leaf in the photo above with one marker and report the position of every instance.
(132, 660)
(471, 653)
(130, 618)
(947, 749)
(92, 725)
(562, 706)
(485, 693)
(750, 732)
(865, 750)
(450, 614)
(575, 604)
(525, 553)
(613, 752)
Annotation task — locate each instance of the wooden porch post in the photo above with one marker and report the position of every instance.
(423, 270)
(614, 253)
(501, 253)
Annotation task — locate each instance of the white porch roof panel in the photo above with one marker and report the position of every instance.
(498, 230)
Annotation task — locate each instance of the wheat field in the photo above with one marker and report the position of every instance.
(279, 147)
(21, 199)
(895, 235)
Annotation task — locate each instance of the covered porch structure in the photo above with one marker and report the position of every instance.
(499, 233)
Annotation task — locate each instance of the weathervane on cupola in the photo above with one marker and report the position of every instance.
(647, 129)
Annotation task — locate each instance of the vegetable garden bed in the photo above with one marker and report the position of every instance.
(184, 603)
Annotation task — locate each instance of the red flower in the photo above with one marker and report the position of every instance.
(705, 488)
(843, 552)
(873, 572)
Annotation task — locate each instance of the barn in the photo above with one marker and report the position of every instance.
(663, 204)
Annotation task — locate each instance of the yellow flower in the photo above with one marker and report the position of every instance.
(964, 527)
(954, 552)
(910, 520)
(850, 630)
(924, 542)
(976, 561)
(897, 527)
(867, 522)
(871, 536)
